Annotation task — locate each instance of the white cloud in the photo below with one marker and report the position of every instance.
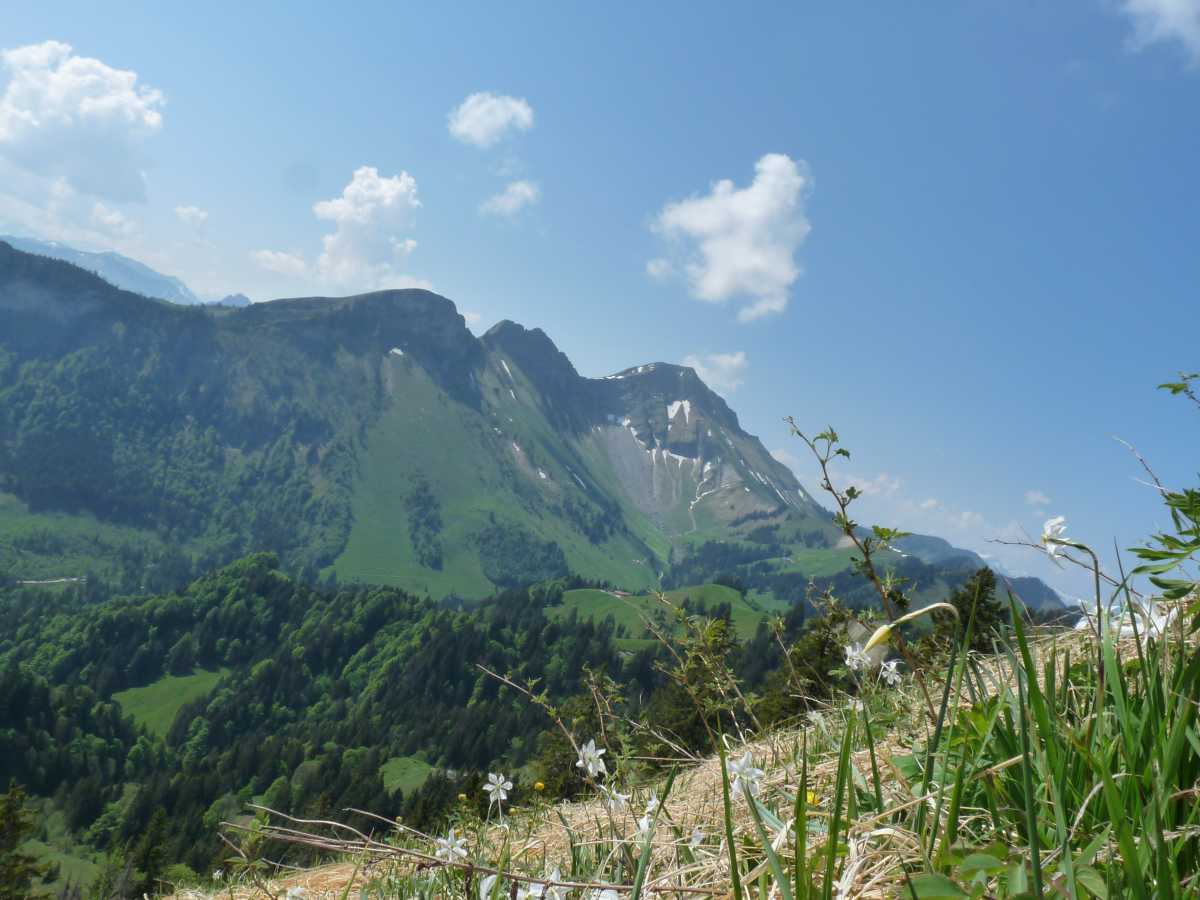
(484, 118)
(280, 262)
(1156, 21)
(193, 216)
(660, 269)
(368, 243)
(76, 118)
(515, 197)
(882, 484)
(1036, 498)
(742, 242)
(723, 372)
(370, 217)
(788, 458)
(111, 221)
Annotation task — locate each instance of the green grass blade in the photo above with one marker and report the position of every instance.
(781, 879)
(835, 821)
(648, 842)
(800, 864)
(734, 876)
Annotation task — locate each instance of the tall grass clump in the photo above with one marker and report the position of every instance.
(962, 751)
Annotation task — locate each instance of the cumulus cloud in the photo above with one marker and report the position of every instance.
(111, 221)
(1165, 21)
(788, 458)
(741, 242)
(280, 262)
(484, 118)
(723, 372)
(192, 216)
(368, 243)
(76, 118)
(369, 218)
(660, 269)
(1036, 498)
(515, 197)
(882, 484)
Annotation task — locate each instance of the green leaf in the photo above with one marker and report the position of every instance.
(1092, 881)
(785, 889)
(980, 862)
(648, 844)
(934, 886)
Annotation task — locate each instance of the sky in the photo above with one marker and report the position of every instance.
(963, 234)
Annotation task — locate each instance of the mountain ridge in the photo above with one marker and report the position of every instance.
(372, 437)
(116, 268)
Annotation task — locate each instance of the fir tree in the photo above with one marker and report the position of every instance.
(18, 870)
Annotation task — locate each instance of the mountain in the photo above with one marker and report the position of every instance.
(238, 300)
(117, 270)
(374, 438)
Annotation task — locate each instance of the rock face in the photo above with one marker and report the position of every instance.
(377, 438)
(676, 448)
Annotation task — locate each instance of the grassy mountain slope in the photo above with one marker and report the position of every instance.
(375, 439)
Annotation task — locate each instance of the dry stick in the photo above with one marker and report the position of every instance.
(722, 684)
(1063, 554)
(369, 845)
(1142, 460)
(562, 726)
(843, 502)
(683, 682)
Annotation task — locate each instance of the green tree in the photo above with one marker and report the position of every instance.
(979, 593)
(18, 870)
(148, 856)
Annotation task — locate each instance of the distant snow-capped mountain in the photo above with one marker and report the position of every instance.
(118, 270)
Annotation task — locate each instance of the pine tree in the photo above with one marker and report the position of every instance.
(978, 592)
(18, 870)
(148, 856)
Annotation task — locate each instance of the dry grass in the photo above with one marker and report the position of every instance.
(541, 839)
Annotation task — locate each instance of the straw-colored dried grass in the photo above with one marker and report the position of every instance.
(879, 852)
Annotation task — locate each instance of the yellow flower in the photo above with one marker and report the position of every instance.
(812, 799)
(462, 798)
(538, 786)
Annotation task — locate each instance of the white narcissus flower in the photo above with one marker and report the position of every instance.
(697, 837)
(486, 885)
(497, 787)
(296, 893)
(745, 775)
(644, 824)
(890, 672)
(856, 658)
(218, 874)
(590, 761)
(652, 804)
(614, 799)
(1053, 532)
(451, 848)
(549, 891)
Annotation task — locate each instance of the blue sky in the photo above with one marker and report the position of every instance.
(964, 234)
